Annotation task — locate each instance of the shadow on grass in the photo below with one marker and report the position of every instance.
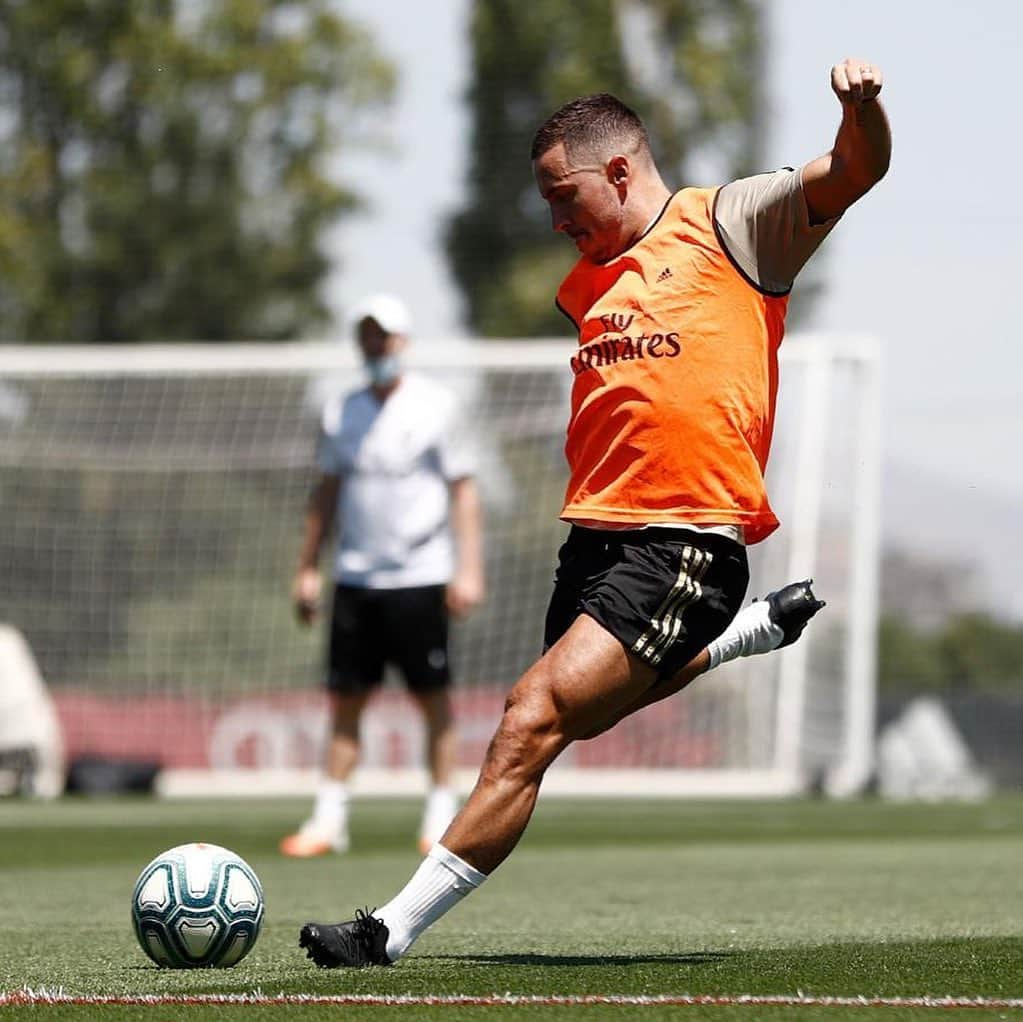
(575, 961)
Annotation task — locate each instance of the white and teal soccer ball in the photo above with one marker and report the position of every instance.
(197, 906)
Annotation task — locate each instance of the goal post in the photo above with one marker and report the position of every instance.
(153, 497)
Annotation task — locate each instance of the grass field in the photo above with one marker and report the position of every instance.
(644, 899)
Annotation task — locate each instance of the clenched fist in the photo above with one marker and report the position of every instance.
(856, 80)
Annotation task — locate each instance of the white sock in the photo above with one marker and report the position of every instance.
(331, 806)
(439, 810)
(440, 883)
(750, 632)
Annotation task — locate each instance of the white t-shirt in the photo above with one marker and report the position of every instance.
(395, 460)
(765, 227)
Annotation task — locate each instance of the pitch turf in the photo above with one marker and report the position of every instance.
(631, 899)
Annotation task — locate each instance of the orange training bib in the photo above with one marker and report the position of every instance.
(676, 377)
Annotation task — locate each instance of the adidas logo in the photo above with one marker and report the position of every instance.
(664, 274)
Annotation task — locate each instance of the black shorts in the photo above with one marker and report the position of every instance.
(371, 628)
(662, 593)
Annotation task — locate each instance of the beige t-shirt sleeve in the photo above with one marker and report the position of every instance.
(765, 227)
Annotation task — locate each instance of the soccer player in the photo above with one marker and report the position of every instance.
(679, 300)
(397, 477)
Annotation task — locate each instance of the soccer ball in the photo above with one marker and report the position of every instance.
(197, 906)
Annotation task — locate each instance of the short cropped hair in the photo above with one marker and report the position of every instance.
(600, 124)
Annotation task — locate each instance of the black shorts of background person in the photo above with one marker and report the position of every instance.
(371, 628)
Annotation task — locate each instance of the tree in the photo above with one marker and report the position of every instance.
(969, 652)
(162, 169)
(908, 658)
(983, 653)
(690, 67)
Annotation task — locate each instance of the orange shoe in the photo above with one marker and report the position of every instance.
(313, 839)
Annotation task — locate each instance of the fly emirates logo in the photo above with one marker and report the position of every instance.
(619, 343)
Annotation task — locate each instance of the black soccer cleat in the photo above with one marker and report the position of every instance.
(791, 607)
(355, 944)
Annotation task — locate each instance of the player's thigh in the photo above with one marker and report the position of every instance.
(586, 675)
(357, 647)
(418, 626)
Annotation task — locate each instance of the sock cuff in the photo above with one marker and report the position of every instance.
(458, 866)
(328, 787)
(444, 794)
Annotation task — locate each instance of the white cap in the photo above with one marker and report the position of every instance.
(388, 312)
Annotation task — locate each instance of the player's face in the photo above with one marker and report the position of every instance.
(584, 202)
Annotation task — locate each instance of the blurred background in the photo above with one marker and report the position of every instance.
(243, 171)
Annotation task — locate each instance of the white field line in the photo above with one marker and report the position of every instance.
(28, 996)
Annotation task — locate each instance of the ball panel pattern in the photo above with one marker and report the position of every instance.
(197, 906)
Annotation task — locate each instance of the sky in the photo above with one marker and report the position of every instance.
(928, 262)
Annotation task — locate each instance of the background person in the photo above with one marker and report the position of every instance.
(396, 476)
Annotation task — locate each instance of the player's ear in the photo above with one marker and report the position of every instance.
(619, 170)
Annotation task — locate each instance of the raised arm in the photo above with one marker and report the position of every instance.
(862, 149)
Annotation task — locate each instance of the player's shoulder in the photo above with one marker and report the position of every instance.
(745, 196)
(763, 224)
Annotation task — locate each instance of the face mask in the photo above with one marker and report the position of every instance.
(384, 370)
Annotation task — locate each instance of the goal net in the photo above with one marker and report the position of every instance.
(152, 501)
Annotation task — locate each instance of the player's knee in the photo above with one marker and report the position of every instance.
(530, 734)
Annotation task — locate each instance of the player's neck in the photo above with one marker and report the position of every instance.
(648, 207)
